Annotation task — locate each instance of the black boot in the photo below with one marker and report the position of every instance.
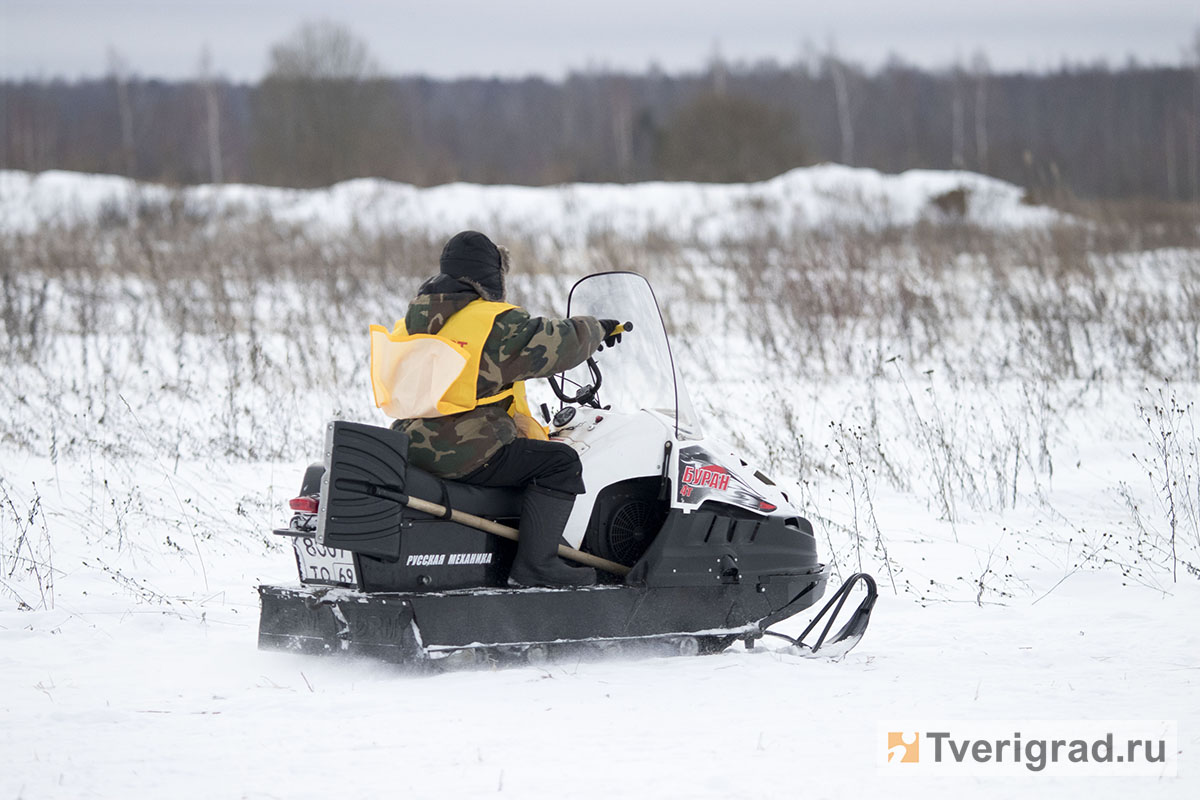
(544, 514)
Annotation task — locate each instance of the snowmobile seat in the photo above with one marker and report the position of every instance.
(363, 507)
(482, 501)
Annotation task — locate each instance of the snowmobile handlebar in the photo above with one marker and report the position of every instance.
(586, 396)
(613, 337)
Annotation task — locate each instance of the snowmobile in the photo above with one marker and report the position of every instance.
(695, 547)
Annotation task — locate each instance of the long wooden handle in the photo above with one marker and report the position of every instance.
(504, 531)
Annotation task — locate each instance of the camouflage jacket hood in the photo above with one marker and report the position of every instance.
(519, 347)
(430, 310)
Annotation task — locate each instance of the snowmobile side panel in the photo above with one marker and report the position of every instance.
(706, 547)
(408, 627)
(618, 447)
(613, 612)
(438, 555)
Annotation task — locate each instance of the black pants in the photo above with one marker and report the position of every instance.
(530, 462)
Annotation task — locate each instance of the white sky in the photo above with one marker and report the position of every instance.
(451, 38)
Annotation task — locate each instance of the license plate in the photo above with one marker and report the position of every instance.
(320, 564)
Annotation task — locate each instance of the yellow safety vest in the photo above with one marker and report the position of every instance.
(421, 375)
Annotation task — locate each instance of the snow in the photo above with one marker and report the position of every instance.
(140, 478)
(806, 198)
(149, 704)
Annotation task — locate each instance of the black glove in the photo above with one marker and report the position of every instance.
(611, 336)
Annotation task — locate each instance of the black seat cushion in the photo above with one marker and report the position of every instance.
(482, 501)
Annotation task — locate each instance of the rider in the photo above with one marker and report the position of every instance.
(483, 446)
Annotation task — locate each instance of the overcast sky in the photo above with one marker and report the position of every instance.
(450, 38)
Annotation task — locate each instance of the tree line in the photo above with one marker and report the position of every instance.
(323, 113)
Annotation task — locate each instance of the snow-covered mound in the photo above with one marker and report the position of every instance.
(802, 199)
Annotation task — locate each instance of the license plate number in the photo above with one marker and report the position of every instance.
(320, 564)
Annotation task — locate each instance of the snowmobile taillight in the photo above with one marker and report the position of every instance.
(305, 505)
(763, 505)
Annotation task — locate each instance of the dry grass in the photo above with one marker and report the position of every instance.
(964, 349)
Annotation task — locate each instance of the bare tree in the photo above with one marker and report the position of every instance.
(322, 50)
(1194, 128)
(621, 115)
(212, 109)
(726, 138)
(841, 91)
(319, 104)
(718, 71)
(958, 113)
(980, 67)
(118, 71)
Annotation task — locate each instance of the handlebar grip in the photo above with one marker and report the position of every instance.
(624, 327)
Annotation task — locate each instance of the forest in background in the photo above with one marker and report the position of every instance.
(323, 113)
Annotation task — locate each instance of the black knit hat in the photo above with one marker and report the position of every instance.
(475, 260)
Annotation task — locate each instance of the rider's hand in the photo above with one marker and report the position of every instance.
(611, 334)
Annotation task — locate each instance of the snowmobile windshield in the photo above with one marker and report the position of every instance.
(640, 371)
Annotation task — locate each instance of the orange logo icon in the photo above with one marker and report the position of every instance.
(904, 747)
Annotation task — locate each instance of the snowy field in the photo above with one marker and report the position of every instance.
(991, 407)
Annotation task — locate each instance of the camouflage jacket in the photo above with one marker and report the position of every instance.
(519, 347)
